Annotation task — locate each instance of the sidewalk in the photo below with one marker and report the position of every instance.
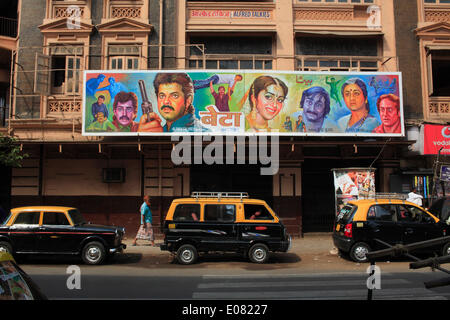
(309, 243)
(312, 253)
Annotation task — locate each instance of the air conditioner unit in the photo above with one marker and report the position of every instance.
(114, 175)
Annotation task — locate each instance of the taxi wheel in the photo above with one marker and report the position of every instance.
(358, 252)
(93, 253)
(187, 254)
(446, 250)
(5, 247)
(258, 253)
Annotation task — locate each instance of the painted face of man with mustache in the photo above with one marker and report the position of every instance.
(314, 108)
(124, 112)
(172, 104)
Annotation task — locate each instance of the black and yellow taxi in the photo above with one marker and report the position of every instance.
(391, 220)
(54, 230)
(224, 222)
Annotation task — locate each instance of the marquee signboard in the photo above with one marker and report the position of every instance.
(238, 102)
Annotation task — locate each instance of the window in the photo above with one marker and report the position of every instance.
(340, 1)
(413, 214)
(124, 57)
(382, 213)
(220, 213)
(438, 71)
(437, 1)
(27, 218)
(346, 214)
(256, 212)
(337, 53)
(187, 212)
(66, 69)
(76, 217)
(239, 52)
(55, 218)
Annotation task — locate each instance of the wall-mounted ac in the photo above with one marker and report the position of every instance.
(114, 175)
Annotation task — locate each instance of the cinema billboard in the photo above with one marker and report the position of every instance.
(242, 102)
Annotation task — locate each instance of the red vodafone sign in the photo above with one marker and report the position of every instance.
(436, 137)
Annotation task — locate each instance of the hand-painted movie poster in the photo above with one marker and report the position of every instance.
(353, 184)
(242, 103)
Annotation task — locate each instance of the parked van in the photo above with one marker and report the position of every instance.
(223, 221)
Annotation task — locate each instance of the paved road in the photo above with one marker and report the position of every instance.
(261, 286)
(309, 271)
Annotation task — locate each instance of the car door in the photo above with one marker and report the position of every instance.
(382, 225)
(56, 234)
(24, 231)
(219, 227)
(259, 225)
(417, 225)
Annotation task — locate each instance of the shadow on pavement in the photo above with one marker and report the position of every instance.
(125, 258)
(276, 261)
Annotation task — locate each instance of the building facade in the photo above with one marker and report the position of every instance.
(58, 40)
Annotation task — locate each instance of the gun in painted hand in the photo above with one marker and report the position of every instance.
(146, 105)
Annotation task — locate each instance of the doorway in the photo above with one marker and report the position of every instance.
(232, 178)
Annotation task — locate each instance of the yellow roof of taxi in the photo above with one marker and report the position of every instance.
(212, 199)
(42, 208)
(378, 200)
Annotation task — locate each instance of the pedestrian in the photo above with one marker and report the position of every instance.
(414, 197)
(145, 231)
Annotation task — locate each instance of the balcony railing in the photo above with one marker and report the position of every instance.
(439, 107)
(8, 27)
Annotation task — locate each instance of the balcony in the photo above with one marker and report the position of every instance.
(8, 27)
(439, 108)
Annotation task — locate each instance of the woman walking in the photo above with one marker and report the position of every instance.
(145, 231)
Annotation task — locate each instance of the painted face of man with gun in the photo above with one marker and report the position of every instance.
(174, 92)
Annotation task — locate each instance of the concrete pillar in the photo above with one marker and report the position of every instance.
(285, 49)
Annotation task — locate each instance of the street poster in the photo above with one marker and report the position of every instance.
(353, 184)
(12, 285)
(445, 173)
(436, 139)
(242, 102)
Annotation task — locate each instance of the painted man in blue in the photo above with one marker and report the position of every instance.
(146, 230)
(175, 95)
(113, 87)
(93, 84)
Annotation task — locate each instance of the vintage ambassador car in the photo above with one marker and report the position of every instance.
(223, 221)
(58, 230)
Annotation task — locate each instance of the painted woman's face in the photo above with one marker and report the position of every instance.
(354, 97)
(270, 101)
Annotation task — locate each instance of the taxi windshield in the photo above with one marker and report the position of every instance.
(76, 217)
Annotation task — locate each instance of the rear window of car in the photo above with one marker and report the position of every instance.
(346, 213)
